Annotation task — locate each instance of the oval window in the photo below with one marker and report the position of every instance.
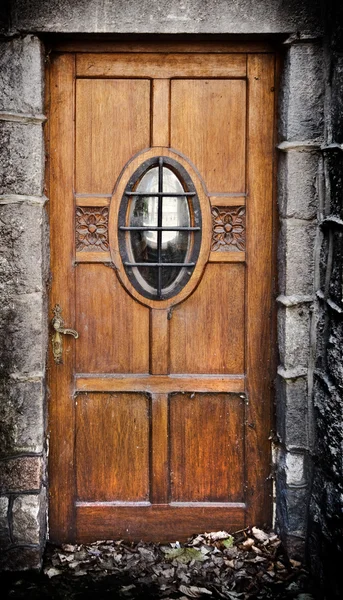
(159, 228)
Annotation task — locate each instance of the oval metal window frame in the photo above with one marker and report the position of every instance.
(126, 179)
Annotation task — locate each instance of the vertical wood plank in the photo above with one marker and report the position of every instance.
(159, 493)
(61, 409)
(160, 112)
(259, 265)
(159, 342)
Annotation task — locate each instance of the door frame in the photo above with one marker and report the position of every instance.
(157, 45)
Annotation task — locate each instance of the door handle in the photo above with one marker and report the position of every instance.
(57, 340)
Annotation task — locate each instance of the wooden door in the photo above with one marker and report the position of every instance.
(160, 410)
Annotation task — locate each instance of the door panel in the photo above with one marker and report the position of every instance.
(111, 448)
(203, 472)
(207, 330)
(160, 412)
(124, 321)
(217, 148)
(104, 109)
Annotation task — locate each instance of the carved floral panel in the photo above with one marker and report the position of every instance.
(92, 229)
(228, 229)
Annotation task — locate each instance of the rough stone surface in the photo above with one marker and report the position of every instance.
(21, 158)
(19, 558)
(22, 416)
(325, 538)
(167, 16)
(325, 541)
(21, 75)
(301, 112)
(296, 260)
(297, 184)
(336, 278)
(292, 408)
(5, 10)
(329, 420)
(337, 87)
(334, 351)
(23, 327)
(295, 469)
(21, 474)
(23, 245)
(4, 525)
(333, 161)
(291, 511)
(23, 277)
(26, 514)
(293, 336)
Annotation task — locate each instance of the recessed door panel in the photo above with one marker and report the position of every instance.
(111, 447)
(203, 471)
(108, 111)
(114, 329)
(217, 147)
(207, 330)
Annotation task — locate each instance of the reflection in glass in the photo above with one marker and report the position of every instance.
(144, 212)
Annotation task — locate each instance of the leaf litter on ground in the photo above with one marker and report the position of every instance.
(246, 565)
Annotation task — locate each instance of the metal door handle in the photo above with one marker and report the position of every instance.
(57, 341)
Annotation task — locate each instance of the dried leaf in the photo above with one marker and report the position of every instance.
(228, 542)
(260, 535)
(218, 535)
(68, 548)
(184, 555)
(194, 592)
(52, 572)
(248, 543)
(295, 563)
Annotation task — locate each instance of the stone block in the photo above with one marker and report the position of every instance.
(296, 503)
(23, 329)
(27, 518)
(21, 474)
(21, 158)
(297, 184)
(4, 525)
(302, 94)
(23, 249)
(296, 256)
(336, 278)
(333, 162)
(334, 351)
(22, 424)
(329, 426)
(5, 10)
(21, 75)
(295, 547)
(167, 16)
(293, 335)
(295, 469)
(337, 98)
(21, 558)
(291, 412)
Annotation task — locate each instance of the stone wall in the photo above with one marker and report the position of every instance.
(310, 250)
(326, 507)
(301, 130)
(23, 316)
